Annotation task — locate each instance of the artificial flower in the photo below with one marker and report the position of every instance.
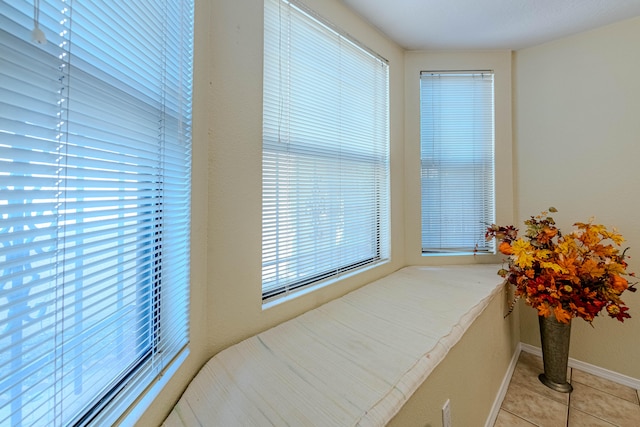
(573, 275)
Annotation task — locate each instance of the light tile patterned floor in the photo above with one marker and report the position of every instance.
(594, 402)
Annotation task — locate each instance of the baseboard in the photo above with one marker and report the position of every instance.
(590, 369)
(573, 363)
(495, 409)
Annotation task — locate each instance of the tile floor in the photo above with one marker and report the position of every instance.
(594, 402)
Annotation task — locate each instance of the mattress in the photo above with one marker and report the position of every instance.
(351, 362)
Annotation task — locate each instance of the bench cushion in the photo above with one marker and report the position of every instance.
(353, 361)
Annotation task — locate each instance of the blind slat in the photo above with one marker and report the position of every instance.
(325, 151)
(457, 160)
(95, 129)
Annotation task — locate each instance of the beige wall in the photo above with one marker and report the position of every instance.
(500, 62)
(569, 136)
(577, 146)
(470, 376)
(226, 305)
(235, 156)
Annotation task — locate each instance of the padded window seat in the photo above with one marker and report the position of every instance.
(354, 361)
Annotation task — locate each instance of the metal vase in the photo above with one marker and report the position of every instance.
(555, 337)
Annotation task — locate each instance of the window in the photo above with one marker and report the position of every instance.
(457, 160)
(325, 152)
(94, 204)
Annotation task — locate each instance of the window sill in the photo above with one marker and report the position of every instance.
(113, 416)
(283, 298)
(449, 254)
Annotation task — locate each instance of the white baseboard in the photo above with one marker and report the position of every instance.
(495, 409)
(573, 363)
(590, 369)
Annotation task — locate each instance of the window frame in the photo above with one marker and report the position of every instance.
(454, 163)
(501, 62)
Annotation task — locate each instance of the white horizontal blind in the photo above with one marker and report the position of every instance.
(94, 203)
(325, 152)
(457, 160)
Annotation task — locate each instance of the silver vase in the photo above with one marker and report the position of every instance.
(555, 337)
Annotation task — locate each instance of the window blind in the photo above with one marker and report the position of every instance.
(94, 204)
(325, 151)
(457, 160)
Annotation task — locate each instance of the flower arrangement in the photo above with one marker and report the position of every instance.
(573, 275)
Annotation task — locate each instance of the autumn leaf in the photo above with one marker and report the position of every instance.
(591, 268)
(618, 312)
(562, 315)
(603, 251)
(543, 254)
(598, 228)
(522, 253)
(544, 310)
(581, 310)
(617, 238)
(546, 234)
(553, 266)
(568, 265)
(615, 268)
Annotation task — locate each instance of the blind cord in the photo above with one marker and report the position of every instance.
(37, 35)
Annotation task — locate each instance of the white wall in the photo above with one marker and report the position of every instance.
(577, 146)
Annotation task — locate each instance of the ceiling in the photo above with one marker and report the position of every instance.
(488, 24)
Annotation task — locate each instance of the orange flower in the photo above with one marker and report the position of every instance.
(505, 248)
(620, 284)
